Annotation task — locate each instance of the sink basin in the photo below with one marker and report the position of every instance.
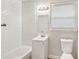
(41, 38)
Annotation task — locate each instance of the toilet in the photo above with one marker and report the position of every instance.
(66, 45)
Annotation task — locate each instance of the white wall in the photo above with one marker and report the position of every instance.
(11, 34)
(28, 22)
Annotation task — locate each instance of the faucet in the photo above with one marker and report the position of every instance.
(42, 34)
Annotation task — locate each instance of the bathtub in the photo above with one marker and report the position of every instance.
(22, 52)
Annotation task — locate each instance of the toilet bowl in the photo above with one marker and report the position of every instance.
(66, 45)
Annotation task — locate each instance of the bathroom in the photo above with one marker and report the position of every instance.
(24, 20)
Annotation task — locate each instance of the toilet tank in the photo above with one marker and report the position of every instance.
(66, 45)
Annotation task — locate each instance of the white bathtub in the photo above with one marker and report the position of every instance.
(23, 52)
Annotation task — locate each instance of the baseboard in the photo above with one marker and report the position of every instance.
(53, 57)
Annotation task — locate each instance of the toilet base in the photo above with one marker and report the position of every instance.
(66, 56)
